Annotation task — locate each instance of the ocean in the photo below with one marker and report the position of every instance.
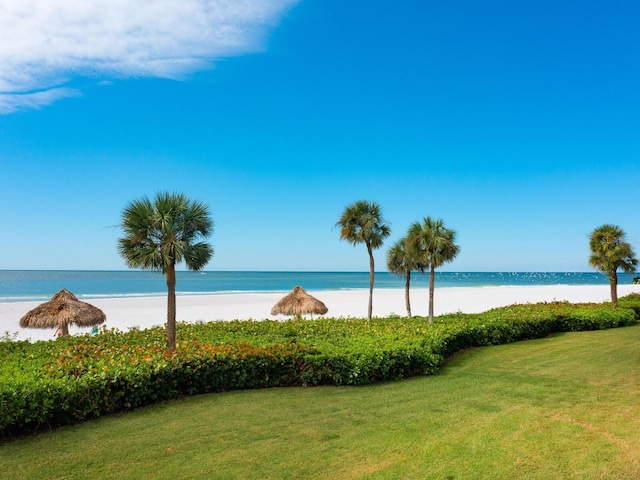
(41, 285)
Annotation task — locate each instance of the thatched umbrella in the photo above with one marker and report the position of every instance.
(297, 303)
(63, 309)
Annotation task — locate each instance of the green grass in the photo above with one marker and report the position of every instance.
(564, 407)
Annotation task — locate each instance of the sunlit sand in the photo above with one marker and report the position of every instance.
(145, 312)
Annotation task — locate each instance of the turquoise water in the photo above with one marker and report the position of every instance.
(27, 285)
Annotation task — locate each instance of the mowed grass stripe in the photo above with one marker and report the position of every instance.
(565, 407)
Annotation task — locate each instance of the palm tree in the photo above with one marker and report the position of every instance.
(362, 222)
(401, 261)
(434, 245)
(161, 234)
(609, 252)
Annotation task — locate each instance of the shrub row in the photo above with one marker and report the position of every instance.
(48, 384)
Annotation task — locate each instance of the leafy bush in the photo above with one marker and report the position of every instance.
(53, 383)
(631, 301)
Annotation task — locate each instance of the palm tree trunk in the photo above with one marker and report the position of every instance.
(171, 307)
(371, 273)
(432, 274)
(613, 282)
(407, 300)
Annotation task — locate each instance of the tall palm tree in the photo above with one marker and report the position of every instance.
(402, 261)
(362, 222)
(434, 245)
(609, 252)
(162, 233)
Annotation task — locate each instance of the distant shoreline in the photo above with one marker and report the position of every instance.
(41, 285)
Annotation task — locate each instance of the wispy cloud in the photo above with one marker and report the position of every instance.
(14, 102)
(45, 44)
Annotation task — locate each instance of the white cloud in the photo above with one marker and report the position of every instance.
(45, 44)
(15, 102)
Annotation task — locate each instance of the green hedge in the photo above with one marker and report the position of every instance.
(54, 383)
(631, 301)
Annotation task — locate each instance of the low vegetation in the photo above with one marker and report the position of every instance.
(564, 406)
(49, 384)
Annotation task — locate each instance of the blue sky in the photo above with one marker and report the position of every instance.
(516, 122)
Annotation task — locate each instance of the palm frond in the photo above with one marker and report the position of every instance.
(162, 233)
(362, 222)
(432, 242)
(610, 251)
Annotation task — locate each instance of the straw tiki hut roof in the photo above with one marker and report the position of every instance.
(299, 302)
(61, 311)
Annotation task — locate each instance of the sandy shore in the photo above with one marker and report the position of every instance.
(144, 312)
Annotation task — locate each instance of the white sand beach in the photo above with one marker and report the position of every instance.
(145, 312)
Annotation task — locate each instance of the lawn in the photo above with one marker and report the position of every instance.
(566, 406)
